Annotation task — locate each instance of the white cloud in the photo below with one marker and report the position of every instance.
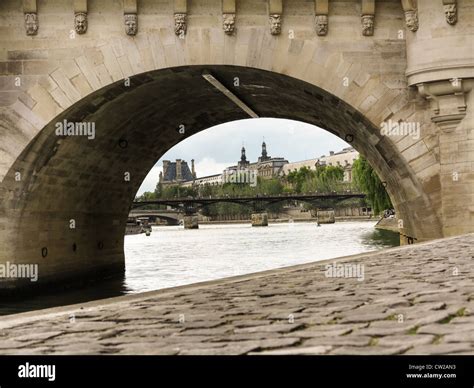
(218, 147)
(208, 166)
(150, 181)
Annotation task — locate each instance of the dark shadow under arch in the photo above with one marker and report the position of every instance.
(72, 177)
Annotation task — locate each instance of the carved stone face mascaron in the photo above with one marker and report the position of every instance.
(180, 24)
(275, 24)
(80, 22)
(368, 25)
(131, 23)
(321, 25)
(411, 20)
(31, 23)
(228, 23)
(450, 10)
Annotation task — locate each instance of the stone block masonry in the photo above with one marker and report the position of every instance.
(346, 75)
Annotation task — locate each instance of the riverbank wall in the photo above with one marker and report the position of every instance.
(390, 224)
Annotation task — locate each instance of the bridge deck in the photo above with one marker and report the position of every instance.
(269, 199)
(410, 301)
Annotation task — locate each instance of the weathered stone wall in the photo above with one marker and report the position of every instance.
(387, 224)
(191, 222)
(344, 82)
(326, 217)
(259, 219)
(437, 55)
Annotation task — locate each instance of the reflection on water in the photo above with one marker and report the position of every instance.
(172, 256)
(378, 238)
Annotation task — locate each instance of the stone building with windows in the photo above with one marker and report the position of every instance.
(265, 167)
(210, 180)
(176, 172)
(344, 158)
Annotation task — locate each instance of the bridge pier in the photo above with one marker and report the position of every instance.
(191, 221)
(444, 80)
(260, 219)
(326, 217)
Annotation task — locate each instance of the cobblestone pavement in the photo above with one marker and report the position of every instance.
(413, 300)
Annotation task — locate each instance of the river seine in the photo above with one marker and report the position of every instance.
(172, 256)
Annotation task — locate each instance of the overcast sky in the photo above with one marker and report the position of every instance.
(219, 146)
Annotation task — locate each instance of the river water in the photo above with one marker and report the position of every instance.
(172, 256)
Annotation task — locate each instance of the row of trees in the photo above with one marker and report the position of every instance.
(262, 188)
(323, 179)
(302, 181)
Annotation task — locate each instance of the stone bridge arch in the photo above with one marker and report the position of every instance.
(139, 91)
(170, 216)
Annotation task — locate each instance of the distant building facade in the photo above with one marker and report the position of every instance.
(210, 180)
(178, 172)
(344, 158)
(266, 167)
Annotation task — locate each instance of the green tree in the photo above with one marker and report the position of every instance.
(298, 178)
(147, 196)
(324, 179)
(367, 180)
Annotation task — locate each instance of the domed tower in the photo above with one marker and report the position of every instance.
(264, 155)
(264, 150)
(243, 159)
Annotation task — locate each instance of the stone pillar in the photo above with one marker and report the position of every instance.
(191, 222)
(444, 78)
(259, 219)
(193, 170)
(326, 217)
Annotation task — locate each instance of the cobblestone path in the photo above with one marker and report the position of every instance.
(415, 299)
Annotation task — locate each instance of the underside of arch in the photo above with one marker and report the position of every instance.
(66, 178)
